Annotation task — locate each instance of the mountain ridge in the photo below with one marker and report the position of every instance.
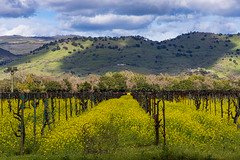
(97, 55)
(6, 57)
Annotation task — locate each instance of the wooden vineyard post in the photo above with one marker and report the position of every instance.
(215, 106)
(91, 99)
(146, 105)
(238, 113)
(197, 101)
(203, 107)
(206, 105)
(95, 99)
(46, 118)
(55, 101)
(53, 110)
(66, 111)
(157, 122)
(76, 107)
(34, 104)
(221, 104)
(29, 103)
(228, 110)
(34, 120)
(148, 99)
(1, 105)
(22, 129)
(71, 109)
(210, 105)
(84, 103)
(164, 124)
(9, 105)
(237, 110)
(153, 105)
(139, 97)
(18, 102)
(59, 109)
(19, 116)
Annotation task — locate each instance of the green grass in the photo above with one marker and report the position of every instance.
(143, 153)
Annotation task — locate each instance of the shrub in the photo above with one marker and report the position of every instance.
(68, 85)
(116, 82)
(183, 85)
(140, 83)
(52, 86)
(84, 87)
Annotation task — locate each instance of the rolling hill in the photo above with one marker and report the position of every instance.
(20, 45)
(6, 56)
(217, 53)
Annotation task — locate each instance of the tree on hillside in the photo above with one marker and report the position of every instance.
(5, 86)
(141, 84)
(185, 84)
(222, 85)
(68, 85)
(86, 86)
(52, 86)
(116, 82)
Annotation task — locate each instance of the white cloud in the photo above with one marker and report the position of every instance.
(109, 22)
(161, 28)
(154, 19)
(144, 7)
(17, 8)
(108, 15)
(217, 7)
(164, 28)
(20, 30)
(28, 27)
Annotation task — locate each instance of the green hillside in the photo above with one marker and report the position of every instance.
(87, 55)
(6, 56)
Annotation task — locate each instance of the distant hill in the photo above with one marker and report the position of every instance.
(218, 53)
(20, 45)
(6, 57)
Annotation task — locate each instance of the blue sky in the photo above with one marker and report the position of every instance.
(153, 19)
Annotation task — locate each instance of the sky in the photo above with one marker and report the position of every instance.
(153, 19)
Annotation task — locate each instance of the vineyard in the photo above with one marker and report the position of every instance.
(102, 122)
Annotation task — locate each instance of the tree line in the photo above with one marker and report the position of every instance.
(121, 81)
